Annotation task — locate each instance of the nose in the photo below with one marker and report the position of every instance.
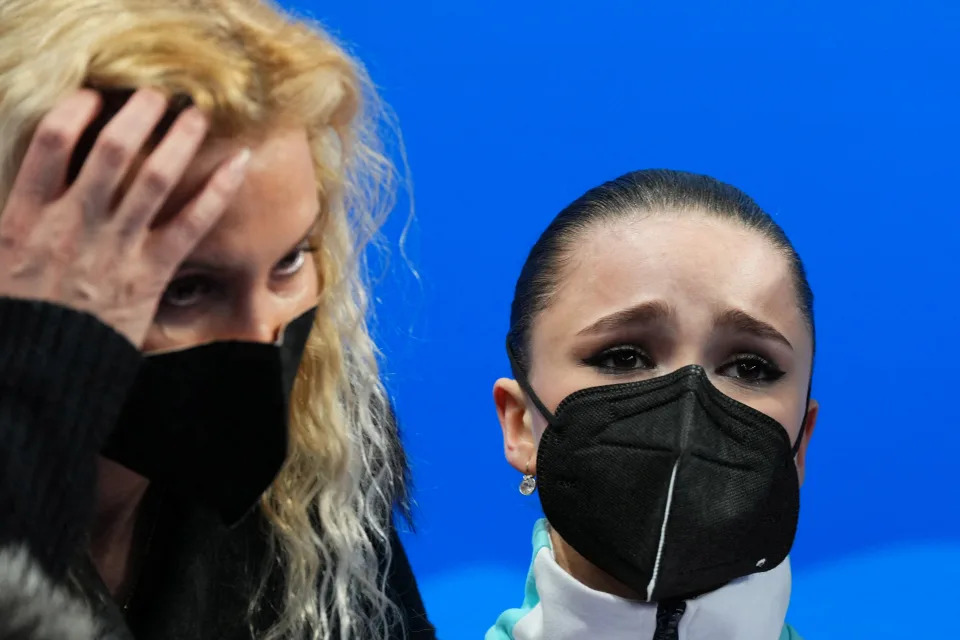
(261, 319)
(258, 331)
(684, 356)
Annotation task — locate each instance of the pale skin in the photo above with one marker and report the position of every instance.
(211, 241)
(646, 295)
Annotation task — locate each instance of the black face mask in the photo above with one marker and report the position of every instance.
(210, 422)
(668, 485)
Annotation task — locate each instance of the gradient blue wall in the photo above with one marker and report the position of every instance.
(839, 118)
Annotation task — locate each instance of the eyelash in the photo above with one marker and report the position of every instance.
(300, 253)
(769, 370)
(208, 284)
(597, 361)
(772, 371)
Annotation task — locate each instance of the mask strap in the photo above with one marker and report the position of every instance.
(803, 423)
(521, 378)
(796, 446)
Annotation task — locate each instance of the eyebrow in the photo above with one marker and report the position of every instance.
(640, 314)
(656, 310)
(743, 322)
(214, 265)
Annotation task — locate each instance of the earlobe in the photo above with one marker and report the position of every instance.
(519, 446)
(806, 431)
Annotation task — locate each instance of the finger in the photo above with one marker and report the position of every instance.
(169, 244)
(115, 149)
(44, 167)
(160, 173)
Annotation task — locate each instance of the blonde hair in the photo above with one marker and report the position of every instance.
(251, 67)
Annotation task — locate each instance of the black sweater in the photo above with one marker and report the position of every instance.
(64, 376)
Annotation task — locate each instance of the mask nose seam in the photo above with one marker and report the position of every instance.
(687, 421)
(663, 533)
(687, 417)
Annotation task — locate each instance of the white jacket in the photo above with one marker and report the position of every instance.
(558, 607)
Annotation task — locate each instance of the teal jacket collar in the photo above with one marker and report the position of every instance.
(532, 621)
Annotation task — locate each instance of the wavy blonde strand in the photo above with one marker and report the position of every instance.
(251, 68)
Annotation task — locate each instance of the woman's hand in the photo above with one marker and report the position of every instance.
(82, 247)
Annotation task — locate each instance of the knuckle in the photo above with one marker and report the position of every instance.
(189, 228)
(13, 228)
(13, 249)
(154, 181)
(53, 138)
(113, 151)
(9, 241)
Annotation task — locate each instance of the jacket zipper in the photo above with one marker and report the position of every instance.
(669, 613)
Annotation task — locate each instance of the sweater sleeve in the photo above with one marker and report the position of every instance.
(402, 587)
(63, 378)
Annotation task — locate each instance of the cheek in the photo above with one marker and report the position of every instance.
(163, 338)
(786, 406)
(307, 287)
(554, 377)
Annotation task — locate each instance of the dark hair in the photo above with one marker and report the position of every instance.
(647, 191)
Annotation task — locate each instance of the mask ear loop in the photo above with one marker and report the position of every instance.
(803, 422)
(521, 378)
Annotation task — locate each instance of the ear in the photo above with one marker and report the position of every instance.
(809, 423)
(519, 446)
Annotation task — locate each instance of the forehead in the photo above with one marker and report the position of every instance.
(277, 201)
(694, 262)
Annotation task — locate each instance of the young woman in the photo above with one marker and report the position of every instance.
(194, 181)
(662, 341)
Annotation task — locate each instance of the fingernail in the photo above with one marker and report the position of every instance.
(154, 96)
(238, 166)
(197, 116)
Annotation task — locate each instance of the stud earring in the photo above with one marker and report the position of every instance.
(529, 483)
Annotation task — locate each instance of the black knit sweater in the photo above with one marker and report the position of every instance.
(64, 376)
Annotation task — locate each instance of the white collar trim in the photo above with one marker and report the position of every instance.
(751, 608)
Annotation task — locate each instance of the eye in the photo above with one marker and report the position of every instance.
(620, 360)
(293, 261)
(187, 291)
(751, 369)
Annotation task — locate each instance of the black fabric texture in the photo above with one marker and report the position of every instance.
(200, 578)
(84, 581)
(402, 589)
(63, 379)
(210, 422)
(604, 469)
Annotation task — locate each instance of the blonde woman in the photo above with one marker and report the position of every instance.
(193, 433)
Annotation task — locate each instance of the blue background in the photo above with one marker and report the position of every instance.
(839, 118)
